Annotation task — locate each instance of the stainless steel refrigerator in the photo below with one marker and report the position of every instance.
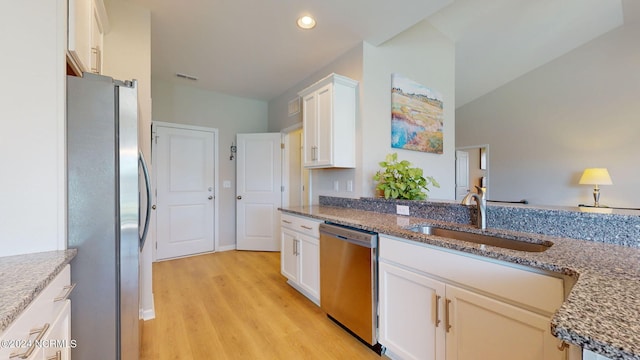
(104, 216)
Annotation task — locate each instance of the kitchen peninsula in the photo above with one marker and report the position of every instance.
(600, 252)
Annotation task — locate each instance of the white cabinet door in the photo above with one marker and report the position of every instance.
(289, 255)
(58, 340)
(411, 316)
(310, 126)
(324, 144)
(309, 265)
(485, 328)
(79, 35)
(97, 37)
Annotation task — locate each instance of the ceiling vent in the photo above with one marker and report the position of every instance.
(185, 76)
(294, 106)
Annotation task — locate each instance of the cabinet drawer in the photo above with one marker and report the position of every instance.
(300, 224)
(43, 310)
(540, 292)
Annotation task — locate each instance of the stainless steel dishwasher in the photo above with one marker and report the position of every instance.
(349, 280)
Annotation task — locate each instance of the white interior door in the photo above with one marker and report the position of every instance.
(258, 191)
(462, 174)
(184, 164)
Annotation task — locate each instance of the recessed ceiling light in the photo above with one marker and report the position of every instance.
(306, 22)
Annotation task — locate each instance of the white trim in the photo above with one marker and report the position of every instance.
(488, 162)
(227, 248)
(284, 181)
(148, 314)
(291, 128)
(183, 126)
(216, 191)
(216, 177)
(61, 115)
(286, 133)
(103, 18)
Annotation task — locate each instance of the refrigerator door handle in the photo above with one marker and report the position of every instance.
(147, 184)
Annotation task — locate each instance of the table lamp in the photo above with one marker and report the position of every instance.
(596, 177)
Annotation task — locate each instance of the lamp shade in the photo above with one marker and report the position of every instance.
(596, 176)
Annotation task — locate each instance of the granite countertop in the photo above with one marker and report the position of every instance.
(23, 277)
(602, 311)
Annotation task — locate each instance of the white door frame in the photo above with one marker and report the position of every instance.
(486, 146)
(216, 216)
(286, 132)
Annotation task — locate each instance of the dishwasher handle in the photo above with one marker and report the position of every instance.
(360, 238)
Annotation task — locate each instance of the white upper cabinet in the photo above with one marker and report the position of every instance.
(329, 123)
(87, 25)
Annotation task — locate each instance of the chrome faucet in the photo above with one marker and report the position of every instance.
(481, 200)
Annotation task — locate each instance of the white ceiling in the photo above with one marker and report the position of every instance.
(253, 49)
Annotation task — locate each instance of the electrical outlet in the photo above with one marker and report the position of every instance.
(402, 209)
(350, 185)
(336, 185)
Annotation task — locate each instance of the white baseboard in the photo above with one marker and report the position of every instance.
(226, 248)
(149, 314)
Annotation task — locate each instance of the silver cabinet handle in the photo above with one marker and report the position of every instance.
(447, 323)
(98, 65)
(67, 291)
(437, 309)
(210, 197)
(40, 331)
(57, 356)
(295, 247)
(563, 345)
(239, 197)
(286, 221)
(306, 227)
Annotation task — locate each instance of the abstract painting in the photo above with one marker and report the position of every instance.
(416, 116)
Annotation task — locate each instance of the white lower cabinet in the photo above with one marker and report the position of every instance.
(57, 343)
(410, 326)
(43, 329)
(300, 254)
(485, 328)
(424, 314)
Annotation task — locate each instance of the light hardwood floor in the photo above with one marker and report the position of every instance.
(237, 305)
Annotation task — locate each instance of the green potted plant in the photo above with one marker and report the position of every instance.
(398, 180)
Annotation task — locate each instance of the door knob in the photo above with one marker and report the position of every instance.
(210, 197)
(239, 197)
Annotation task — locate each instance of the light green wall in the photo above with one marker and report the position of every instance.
(188, 105)
(544, 128)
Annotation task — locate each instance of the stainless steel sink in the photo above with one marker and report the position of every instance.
(483, 239)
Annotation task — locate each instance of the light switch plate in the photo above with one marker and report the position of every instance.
(226, 184)
(402, 209)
